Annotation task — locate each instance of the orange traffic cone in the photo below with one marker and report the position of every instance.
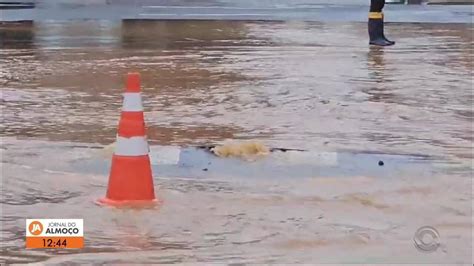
(131, 180)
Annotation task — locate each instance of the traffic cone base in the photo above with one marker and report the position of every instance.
(139, 204)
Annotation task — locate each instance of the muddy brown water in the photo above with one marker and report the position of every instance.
(313, 86)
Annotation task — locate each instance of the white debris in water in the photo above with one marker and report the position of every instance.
(244, 150)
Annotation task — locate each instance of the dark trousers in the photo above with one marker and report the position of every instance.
(376, 5)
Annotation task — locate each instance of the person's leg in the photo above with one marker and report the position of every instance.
(376, 5)
(376, 27)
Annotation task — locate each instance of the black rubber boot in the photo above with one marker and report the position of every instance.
(383, 33)
(376, 32)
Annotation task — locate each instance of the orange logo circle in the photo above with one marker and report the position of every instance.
(35, 228)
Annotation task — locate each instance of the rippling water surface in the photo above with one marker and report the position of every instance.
(313, 86)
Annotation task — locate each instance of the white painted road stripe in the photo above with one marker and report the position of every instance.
(200, 15)
(134, 146)
(132, 102)
(306, 157)
(165, 155)
(271, 8)
(207, 7)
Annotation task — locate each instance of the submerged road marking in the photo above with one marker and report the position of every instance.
(201, 15)
(222, 8)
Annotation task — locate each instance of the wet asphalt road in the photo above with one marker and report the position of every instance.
(309, 10)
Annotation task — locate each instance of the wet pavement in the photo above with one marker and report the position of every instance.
(314, 86)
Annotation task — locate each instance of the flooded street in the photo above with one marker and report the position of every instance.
(305, 85)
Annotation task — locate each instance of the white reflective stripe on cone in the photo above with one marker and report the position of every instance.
(132, 102)
(134, 146)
